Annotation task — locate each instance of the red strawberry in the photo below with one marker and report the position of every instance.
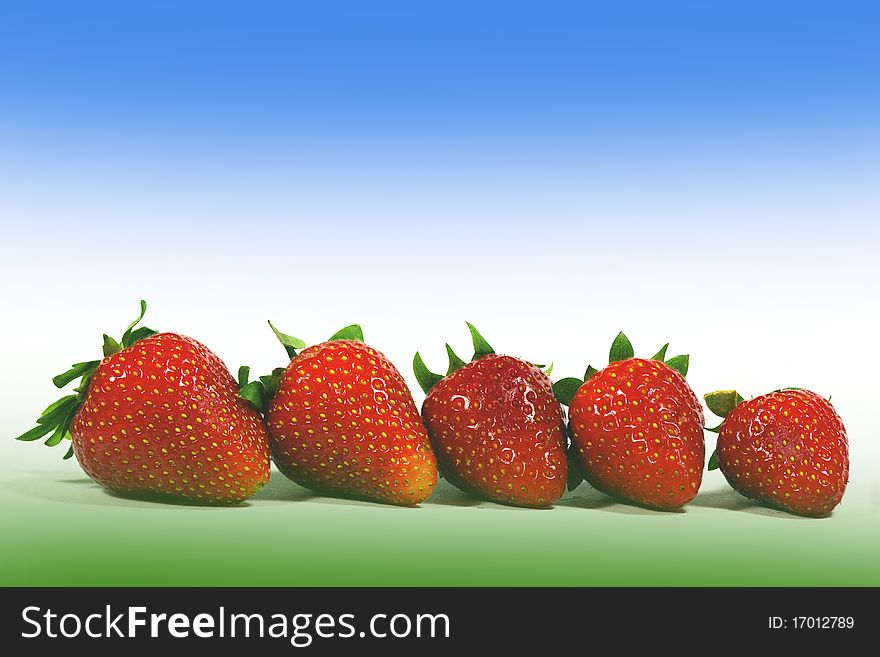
(638, 428)
(787, 448)
(160, 414)
(496, 427)
(342, 421)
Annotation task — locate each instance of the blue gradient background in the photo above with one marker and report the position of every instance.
(706, 173)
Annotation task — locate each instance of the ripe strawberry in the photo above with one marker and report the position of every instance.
(496, 427)
(160, 414)
(342, 421)
(638, 428)
(787, 448)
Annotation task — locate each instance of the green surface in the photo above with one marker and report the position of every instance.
(62, 529)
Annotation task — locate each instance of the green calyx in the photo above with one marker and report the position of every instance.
(621, 349)
(428, 379)
(721, 403)
(56, 419)
(261, 390)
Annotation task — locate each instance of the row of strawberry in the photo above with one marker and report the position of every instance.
(161, 414)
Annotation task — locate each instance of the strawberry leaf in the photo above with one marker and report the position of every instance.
(36, 433)
(77, 370)
(350, 332)
(59, 410)
(575, 474)
(721, 402)
(713, 461)
(621, 349)
(253, 392)
(139, 334)
(69, 452)
(110, 346)
(426, 378)
(565, 389)
(62, 430)
(660, 355)
(481, 347)
(679, 364)
(590, 372)
(455, 363)
(290, 343)
(51, 407)
(244, 373)
(271, 382)
(548, 371)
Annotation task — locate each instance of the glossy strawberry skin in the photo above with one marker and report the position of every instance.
(344, 422)
(786, 448)
(163, 417)
(638, 429)
(498, 431)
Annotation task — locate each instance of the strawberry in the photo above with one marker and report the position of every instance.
(496, 427)
(342, 421)
(637, 428)
(787, 448)
(159, 414)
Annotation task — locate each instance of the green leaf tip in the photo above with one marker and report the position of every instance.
(244, 373)
(721, 402)
(55, 420)
(680, 364)
(590, 372)
(253, 392)
(621, 349)
(713, 461)
(350, 332)
(109, 346)
(455, 363)
(76, 370)
(565, 389)
(548, 370)
(290, 343)
(426, 378)
(481, 347)
(661, 355)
